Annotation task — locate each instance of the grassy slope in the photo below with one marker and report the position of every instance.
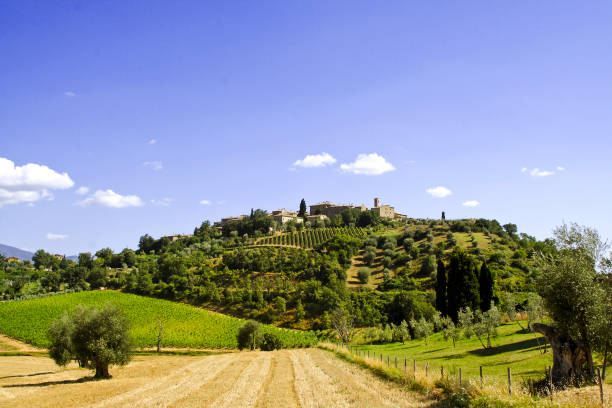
(512, 348)
(183, 325)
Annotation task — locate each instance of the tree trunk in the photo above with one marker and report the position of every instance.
(605, 360)
(569, 355)
(102, 371)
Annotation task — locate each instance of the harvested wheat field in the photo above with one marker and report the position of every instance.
(287, 378)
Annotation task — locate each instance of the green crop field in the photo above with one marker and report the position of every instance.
(310, 238)
(183, 325)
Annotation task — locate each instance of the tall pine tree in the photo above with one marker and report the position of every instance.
(486, 287)
(302, 212)
(462, 290)
(441, 302)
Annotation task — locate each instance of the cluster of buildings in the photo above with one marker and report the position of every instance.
(322, 211)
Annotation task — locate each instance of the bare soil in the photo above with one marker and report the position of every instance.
(287, 378)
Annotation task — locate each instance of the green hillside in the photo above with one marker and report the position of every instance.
(183, 325)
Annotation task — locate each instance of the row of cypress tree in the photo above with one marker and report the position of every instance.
(461, 284)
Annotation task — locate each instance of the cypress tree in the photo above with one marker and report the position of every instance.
(441, 302)
(486, 287)
(463, 288)
(302, 212)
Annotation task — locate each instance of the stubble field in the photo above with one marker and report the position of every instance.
(286, 378)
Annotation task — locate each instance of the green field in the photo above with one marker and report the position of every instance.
(183, 325)
(511, 348)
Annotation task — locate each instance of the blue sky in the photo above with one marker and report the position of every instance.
(171, 104)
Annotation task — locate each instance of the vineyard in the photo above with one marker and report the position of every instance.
(183, 325)
(311, 237)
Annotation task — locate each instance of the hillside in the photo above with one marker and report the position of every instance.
(183, 325)
(9, 251)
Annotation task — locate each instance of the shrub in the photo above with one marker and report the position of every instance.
(270, 341)
(387, 261)
(249, 335)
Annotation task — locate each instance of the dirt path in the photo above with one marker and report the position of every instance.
(12, 345)
(287, 378)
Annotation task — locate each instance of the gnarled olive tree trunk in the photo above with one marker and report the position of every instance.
(569, 355)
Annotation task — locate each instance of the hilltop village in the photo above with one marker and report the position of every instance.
(322, 212)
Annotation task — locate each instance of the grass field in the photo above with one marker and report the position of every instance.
(511, 348)
(183, 325)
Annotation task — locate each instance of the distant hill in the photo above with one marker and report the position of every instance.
(8, 251)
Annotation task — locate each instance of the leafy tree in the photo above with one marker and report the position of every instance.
(510, 229)
(572, 291)
(441, 300)
(105, 254)
(465, 322)
(450, 331)
(363, 274)
(342, 323)
(42, 259)
(421, 328)
(280, 304)
(96, 338)
(463, 288)
(534, 309)
(128, 257)
(249, 335)
(486, 287)
(401, 332)
(508, 307)
(486, 324)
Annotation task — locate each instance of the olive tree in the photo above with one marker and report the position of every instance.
(570, 283)
(95, 338)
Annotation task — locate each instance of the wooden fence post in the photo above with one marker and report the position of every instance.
(601, 394)
(426, 368)
(405, 369)
(414, 368)
(550, 383)
(388, 360)
(481, 379)
(395, 362)
(460, 376)
(442, 371)
(509, 381)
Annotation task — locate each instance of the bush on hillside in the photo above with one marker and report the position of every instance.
(270, 341)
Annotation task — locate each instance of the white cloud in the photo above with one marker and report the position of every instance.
(30, 182)
(69, 94)
(152, 141)
(439, 192)
(560, 168)
(82, 190)
(155, 165)
(471, 203)
(164, 202)
(205, 202)
(315, 160)
(108, 198)
(55, 237)
(368, 164)
(536, 172)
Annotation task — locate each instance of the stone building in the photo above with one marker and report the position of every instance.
(284, 216)
(331, 210)
(384, 211)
